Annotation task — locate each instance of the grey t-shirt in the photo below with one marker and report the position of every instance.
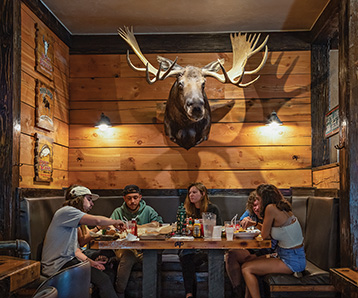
(61, 239)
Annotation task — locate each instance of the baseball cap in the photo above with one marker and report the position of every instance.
(81, 191)
(131, 189)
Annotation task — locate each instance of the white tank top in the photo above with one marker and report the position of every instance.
(288, 236)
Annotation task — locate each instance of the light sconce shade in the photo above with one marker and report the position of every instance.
(273, 120)
(104, 122)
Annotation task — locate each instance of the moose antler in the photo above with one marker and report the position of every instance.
(159, 74)
(243, 48)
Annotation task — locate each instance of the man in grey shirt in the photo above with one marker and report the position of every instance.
(61, 248)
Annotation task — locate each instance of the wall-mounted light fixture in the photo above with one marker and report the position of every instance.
(273, 120)
(103, 122)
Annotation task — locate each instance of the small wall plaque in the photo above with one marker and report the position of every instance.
(44, 106)
(43, 158)
(332, 122)
(44, 52)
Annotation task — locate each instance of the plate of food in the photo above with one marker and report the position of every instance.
(108, 236)
(247, 234)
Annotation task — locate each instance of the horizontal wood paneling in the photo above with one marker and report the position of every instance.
(100, 66)
(28, 30)
(268, 86)
(28, 94)
(60, 135)
(211, 158)
(240, 152)
(221, 135)
(326, 178)
(60, 178)
(181, 179)
(27, 156)
(131, 112)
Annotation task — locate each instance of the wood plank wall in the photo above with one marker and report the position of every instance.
(240, 152)
(326, 176)
(60, 83)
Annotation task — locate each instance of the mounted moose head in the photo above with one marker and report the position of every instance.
(187, 118)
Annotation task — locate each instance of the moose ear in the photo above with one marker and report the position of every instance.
(214, 66)
(166, 63)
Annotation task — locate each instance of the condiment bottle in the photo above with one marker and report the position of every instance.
(196, 229)
(135, 232)
(190, 227)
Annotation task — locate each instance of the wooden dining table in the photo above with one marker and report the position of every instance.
(215, 249)
(16, 273)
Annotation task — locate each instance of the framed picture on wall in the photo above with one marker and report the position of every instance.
(332, 122)
(43, 158)
(45, 100)
(44, 51)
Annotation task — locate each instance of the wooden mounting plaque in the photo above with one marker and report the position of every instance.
(45, 99)
(44, 52)
(43, 158)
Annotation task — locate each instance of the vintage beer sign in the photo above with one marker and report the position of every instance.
(43, 158)
(44, 52)
(45, 99)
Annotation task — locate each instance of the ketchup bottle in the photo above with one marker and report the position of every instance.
(135, 232)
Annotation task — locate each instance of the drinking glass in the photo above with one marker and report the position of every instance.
(229, 231)
(209, 221)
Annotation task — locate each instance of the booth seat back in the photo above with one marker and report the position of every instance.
(166, 206)
(36, 213)
(322, 232)
(35, 217)
(299, 208)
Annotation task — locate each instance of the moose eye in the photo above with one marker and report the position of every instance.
(203, 85)
(181, 85)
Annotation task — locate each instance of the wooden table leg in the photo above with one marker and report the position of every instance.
(150, 274)
(216, 273)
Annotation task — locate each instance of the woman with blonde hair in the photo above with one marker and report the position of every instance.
(196, 202)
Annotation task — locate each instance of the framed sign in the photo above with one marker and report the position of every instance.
(43, 158)
(332, 122)
(44, 52)
(44, 106)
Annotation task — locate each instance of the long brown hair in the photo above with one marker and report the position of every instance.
(250, 202)
(204, 202)
(270, 194)
(72, 200)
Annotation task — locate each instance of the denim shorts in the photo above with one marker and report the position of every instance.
(295, 259)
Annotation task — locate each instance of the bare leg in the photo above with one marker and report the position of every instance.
(261, 266)
(233, 261)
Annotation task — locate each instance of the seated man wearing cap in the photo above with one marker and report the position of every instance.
(61, 248)
(132, 208)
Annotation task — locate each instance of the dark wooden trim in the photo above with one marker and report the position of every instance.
(348, 134)
(181, 43)
(41, 192)
(326, 27)
(10, 94)
(327, 192)
(50, 21)
(319, 102)
(303, 288)
(331, 165)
